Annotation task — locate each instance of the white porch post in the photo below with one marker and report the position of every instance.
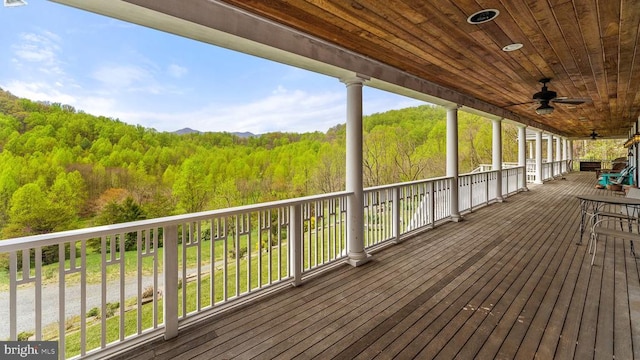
(570, 154)
(563, 157)
(522, 153)
(355, 206)
(538, 157)
(635, 161)
(549, 148)
(497, 156)
(452, 160)
(557, 167)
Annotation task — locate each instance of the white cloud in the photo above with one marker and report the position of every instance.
(121, 76)
(43, 49)
(288, 111)
(284, 110)
(40, 91)
(177, 71)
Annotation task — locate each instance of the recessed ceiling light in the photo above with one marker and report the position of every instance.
(483, 16)
(512, 47)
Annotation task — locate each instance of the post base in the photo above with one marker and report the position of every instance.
(359, 261)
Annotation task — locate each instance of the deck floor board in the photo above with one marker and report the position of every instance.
(509, 281)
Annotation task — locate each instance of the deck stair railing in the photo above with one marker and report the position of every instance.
(115, 286)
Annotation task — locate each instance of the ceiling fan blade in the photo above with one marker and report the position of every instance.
(572, 101)
(522, 103)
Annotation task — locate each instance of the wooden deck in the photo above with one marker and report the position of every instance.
(509, 282)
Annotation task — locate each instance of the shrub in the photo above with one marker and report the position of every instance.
(111, 308)
(93, 312)
(24, 336)
(148, 292)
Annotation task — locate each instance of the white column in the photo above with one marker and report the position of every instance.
(550, 148)
(497, 156)
(563, 157)
(557, 167)
(452, 160)
(538, 157)
(570, 154)
(570, 150)
(635, 161)
(522, 153)
(355, 205)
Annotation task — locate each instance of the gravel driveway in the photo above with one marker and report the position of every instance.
(50, 299)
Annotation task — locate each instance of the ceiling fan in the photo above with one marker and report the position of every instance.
(546, 96)
(594, 135)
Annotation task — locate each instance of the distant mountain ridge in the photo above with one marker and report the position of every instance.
(187, 130)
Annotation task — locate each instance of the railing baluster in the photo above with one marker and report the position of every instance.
(103, 294)
(183, 272)
(13, 291)
(38, 294)
(237, 253)
(83, 295)
(155, 277)
(225, 263)
(198, 237)
(61, 298)
(170, 307)
(122, 241)
(139, 244)
(395, 214)
(295, 236)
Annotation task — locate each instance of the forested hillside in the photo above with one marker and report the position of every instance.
(64, 169)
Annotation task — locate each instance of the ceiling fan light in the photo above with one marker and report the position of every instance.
(544, 109)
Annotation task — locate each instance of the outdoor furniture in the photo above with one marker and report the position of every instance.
(622, 178)
(590, 165)
(599, 229)
(617, 165)
(598, 209)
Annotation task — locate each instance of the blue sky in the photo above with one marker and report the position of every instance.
(142, 76)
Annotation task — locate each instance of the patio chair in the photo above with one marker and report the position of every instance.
(629, 214)
(600, 228)
(624, 177)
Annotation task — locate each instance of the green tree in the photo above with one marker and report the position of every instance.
(116, 213)
(29, 212)
(192, 186)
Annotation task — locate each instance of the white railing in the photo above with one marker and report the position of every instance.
(476, 190)
(550, 170)
(480, 189)
(512, 180)
(101, 298)
(393, 211)
(181, 266)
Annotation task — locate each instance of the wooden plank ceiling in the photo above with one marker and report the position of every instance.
(589, 48)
